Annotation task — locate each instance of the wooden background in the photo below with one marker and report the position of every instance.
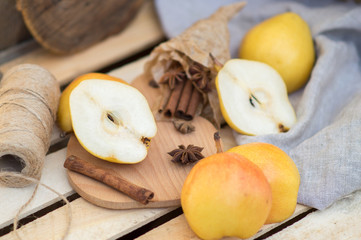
(123, 56)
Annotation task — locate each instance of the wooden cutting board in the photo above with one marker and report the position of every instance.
(156, 172)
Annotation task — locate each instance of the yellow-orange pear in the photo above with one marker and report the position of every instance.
(63, 114)
(281, 172)
(225, 194)
(285, 43)
(111, 119)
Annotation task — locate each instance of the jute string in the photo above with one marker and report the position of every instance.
(29, 97)
(34, 180)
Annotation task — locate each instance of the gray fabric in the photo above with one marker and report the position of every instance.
(326, 141)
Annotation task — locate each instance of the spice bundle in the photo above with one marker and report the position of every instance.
(184, 69)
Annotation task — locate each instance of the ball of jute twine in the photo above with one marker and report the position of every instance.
(29, 97)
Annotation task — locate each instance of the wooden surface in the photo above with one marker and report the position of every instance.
(12, 27)
(89, 222)
(143, 32)
(340, 221)
(178, 228)
(156, 172)
(70, 26)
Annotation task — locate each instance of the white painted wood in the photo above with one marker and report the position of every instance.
(340, 221)
(53, 175)
(88, 222)
(268, 227)
(130, 71)
(178, 229)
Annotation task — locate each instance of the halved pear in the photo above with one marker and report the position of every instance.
(253, 98)
(63, 115)
(112, 120)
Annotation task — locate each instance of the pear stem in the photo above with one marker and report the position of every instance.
(217, 141)
(217, 65)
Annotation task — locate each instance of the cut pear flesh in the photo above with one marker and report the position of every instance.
(253, 98)
(112, 120)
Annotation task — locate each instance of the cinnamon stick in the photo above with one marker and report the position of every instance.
(173, 100)
(103, 175)
(164, 99)
(184, 100)
(193, 104)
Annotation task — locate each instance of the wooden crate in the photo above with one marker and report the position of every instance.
(123, 56)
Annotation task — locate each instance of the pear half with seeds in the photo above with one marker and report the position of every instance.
(253, 98)
(112, 120)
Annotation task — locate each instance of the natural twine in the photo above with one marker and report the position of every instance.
(33, 180)
(29, 97)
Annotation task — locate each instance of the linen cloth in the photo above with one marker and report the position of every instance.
(325, 143)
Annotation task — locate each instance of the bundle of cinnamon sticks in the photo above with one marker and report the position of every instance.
(184, 63)
(183, 95)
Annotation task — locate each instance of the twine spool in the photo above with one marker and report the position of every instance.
(29, 97)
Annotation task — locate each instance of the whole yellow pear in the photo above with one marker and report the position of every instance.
(281, 172)
(225, 194)
(285, 43)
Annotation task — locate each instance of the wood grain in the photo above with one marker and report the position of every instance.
(178, 229)
(72, 25)
(12, 27)
(53, 175)
(144, 31)
(156, 172)
(89, 222)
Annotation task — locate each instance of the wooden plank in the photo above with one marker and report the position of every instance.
(178, 229)
(141, 33)
(130, 71)
(70, 26)
(88, 222)
(53, 175)
(339, 221)
(12, 27)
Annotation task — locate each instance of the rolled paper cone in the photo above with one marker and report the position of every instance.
(29, 98)
(195, 44)
(209, 35)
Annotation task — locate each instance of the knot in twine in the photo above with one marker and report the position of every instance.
(29, 97)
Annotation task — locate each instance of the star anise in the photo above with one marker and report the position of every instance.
(187, 155)
(175, 74)
(201, 76)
